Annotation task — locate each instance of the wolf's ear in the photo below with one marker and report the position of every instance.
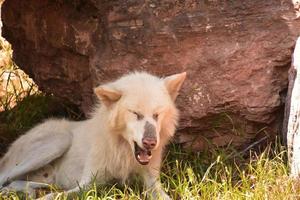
(107, 95)
(173, 84)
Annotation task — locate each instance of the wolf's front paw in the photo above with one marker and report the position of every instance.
(159, 194)
(8, 191)
(51, 196)
(4, 191)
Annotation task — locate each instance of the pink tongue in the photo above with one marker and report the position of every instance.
(143, 156)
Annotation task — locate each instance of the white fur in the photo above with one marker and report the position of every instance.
(101, 147)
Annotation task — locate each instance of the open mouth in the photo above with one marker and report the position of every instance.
(143, 156)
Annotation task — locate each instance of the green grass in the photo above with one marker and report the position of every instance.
(212, 175)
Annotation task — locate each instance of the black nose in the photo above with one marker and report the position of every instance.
(149, 143)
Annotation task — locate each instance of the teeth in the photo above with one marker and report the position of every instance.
(139, 157)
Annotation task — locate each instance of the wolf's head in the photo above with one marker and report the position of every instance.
(140, 109)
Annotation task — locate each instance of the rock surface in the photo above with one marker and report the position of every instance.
(236, 53)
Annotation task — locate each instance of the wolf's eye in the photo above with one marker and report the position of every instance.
(155, 116)
(139, 116)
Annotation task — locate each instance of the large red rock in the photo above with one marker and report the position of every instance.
(236, 54)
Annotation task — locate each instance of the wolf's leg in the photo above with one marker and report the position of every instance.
(37, 148)
(151, 176)
(86, 179)
(154, 188)
(24, 186)
(52, 196)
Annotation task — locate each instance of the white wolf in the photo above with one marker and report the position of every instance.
(125, 135)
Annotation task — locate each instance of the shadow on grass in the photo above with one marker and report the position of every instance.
(30, 111)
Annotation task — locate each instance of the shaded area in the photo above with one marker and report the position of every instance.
(30, 111)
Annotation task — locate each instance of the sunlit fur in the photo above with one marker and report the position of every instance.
(102, 146)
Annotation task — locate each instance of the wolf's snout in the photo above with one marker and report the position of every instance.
(149, 139)
(149, 143)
